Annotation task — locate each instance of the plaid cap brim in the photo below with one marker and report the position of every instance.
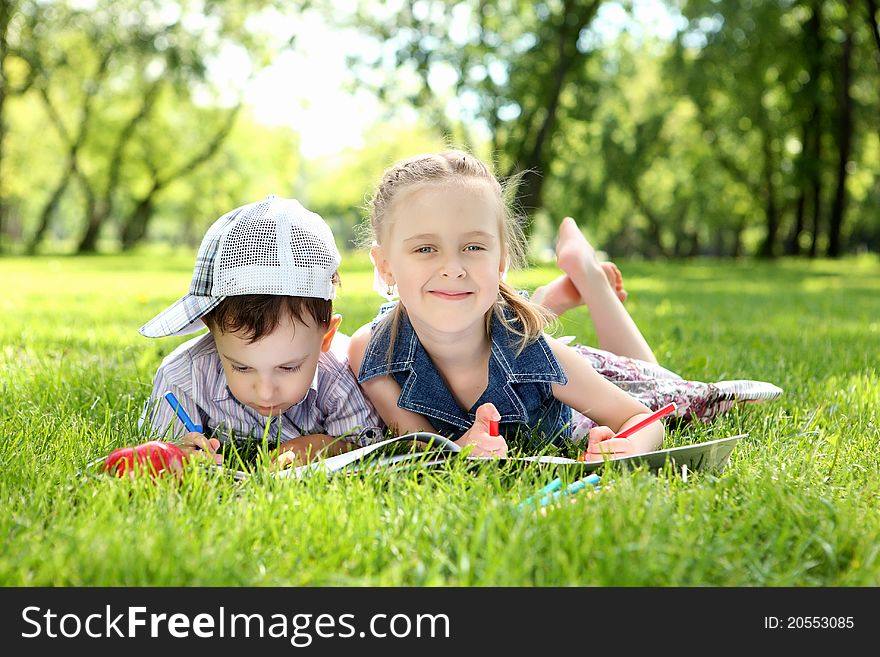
(181, 317)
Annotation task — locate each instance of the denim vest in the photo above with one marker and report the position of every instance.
(519, 385)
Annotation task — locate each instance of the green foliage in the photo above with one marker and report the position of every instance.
(731, 134)
(121, 95)
(795, 507)
(708, 141)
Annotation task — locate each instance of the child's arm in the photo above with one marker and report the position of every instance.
(304, 449)
(384, 391)
(590, 393)
(161, 420)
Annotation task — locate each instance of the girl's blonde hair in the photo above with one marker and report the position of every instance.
(455, 166)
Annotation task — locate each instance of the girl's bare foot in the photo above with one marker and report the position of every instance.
(601, 289)
(558, 296)
(615, 279)
(576, 256)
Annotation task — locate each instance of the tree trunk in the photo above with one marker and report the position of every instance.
(654, 222)
(844, 145)
(5, 16)
(875, 29)
(792, 245)
(737, 239)
(89, 241)
(533, 158)
(768, 247)
(73, 146)
(816, 191)
(102, 207)
(135, 228)
(49, 210)
(811, 156)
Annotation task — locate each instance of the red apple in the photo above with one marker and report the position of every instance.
(153, 457)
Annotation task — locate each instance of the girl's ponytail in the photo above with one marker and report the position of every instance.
(530, 319)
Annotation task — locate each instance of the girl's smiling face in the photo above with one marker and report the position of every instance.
(443, 250)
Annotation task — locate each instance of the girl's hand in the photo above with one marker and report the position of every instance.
(294, 453)
(478, 435)
(306, 449)
(193, 442)
(601, 444)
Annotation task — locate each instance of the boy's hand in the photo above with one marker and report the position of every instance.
(478, 435)
(601, 444)
(193, 442)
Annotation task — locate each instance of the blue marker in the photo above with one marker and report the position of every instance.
(549, 488)
(188, 423)
(571, 489)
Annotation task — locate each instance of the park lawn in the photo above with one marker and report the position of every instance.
(796, 506)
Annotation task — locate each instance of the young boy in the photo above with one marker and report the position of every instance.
(263, 284)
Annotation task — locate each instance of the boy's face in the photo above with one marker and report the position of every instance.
(275, 372)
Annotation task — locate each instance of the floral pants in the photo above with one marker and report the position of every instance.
(656, 386)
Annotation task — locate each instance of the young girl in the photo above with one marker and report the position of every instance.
(462, 347)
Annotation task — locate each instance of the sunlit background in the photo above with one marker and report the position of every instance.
(676, 128)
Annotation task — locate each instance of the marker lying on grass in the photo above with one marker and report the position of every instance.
(549, 488)
(590, 480)
(626, 433)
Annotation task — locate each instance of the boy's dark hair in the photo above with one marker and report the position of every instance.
(257, 315)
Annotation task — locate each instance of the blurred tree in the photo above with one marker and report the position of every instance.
(785, 84)
(874, 26)
(637, 170)
(255, 160)
(15, 79)
(738, 79)
(511, 62)
(99, 71)
(809, 165)
(844, 133)
(161, 173)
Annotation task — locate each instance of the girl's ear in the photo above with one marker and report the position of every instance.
(380, 264)
(383, 279)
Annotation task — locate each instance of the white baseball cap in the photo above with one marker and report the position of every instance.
(273, 246)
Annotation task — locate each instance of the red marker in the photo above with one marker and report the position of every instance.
(493, 428)
(626, 433)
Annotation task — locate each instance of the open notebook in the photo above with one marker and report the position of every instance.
(714, 454)
(422, 448)
(428, 449)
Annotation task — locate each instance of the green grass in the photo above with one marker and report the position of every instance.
(797, 505)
